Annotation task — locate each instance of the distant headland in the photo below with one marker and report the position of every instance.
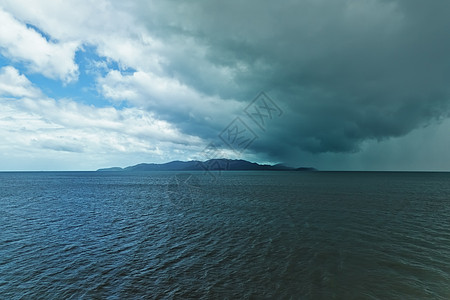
(209, 165)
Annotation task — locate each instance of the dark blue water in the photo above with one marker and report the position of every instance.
(232, 235)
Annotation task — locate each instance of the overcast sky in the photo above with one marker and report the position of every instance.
(349, 85)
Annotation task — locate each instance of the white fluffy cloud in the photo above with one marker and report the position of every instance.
(168, 96)
(116, 32)
(33, 123)
(119, 36)
(21, 43)
(13, 84)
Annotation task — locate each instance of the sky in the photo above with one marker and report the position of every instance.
(330, 84)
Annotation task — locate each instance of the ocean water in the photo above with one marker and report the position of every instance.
(246, 235)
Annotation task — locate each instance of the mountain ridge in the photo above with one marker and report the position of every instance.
(221, 164)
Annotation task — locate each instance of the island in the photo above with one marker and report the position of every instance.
(221, 164)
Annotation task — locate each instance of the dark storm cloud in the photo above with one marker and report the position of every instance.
(343, 71)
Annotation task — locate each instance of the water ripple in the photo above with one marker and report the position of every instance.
(251, 236)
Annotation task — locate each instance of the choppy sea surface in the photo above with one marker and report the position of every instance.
(246, 235)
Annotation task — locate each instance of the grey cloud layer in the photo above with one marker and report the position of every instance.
(345, 71)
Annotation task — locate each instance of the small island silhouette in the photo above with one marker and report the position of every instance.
(221, 164)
